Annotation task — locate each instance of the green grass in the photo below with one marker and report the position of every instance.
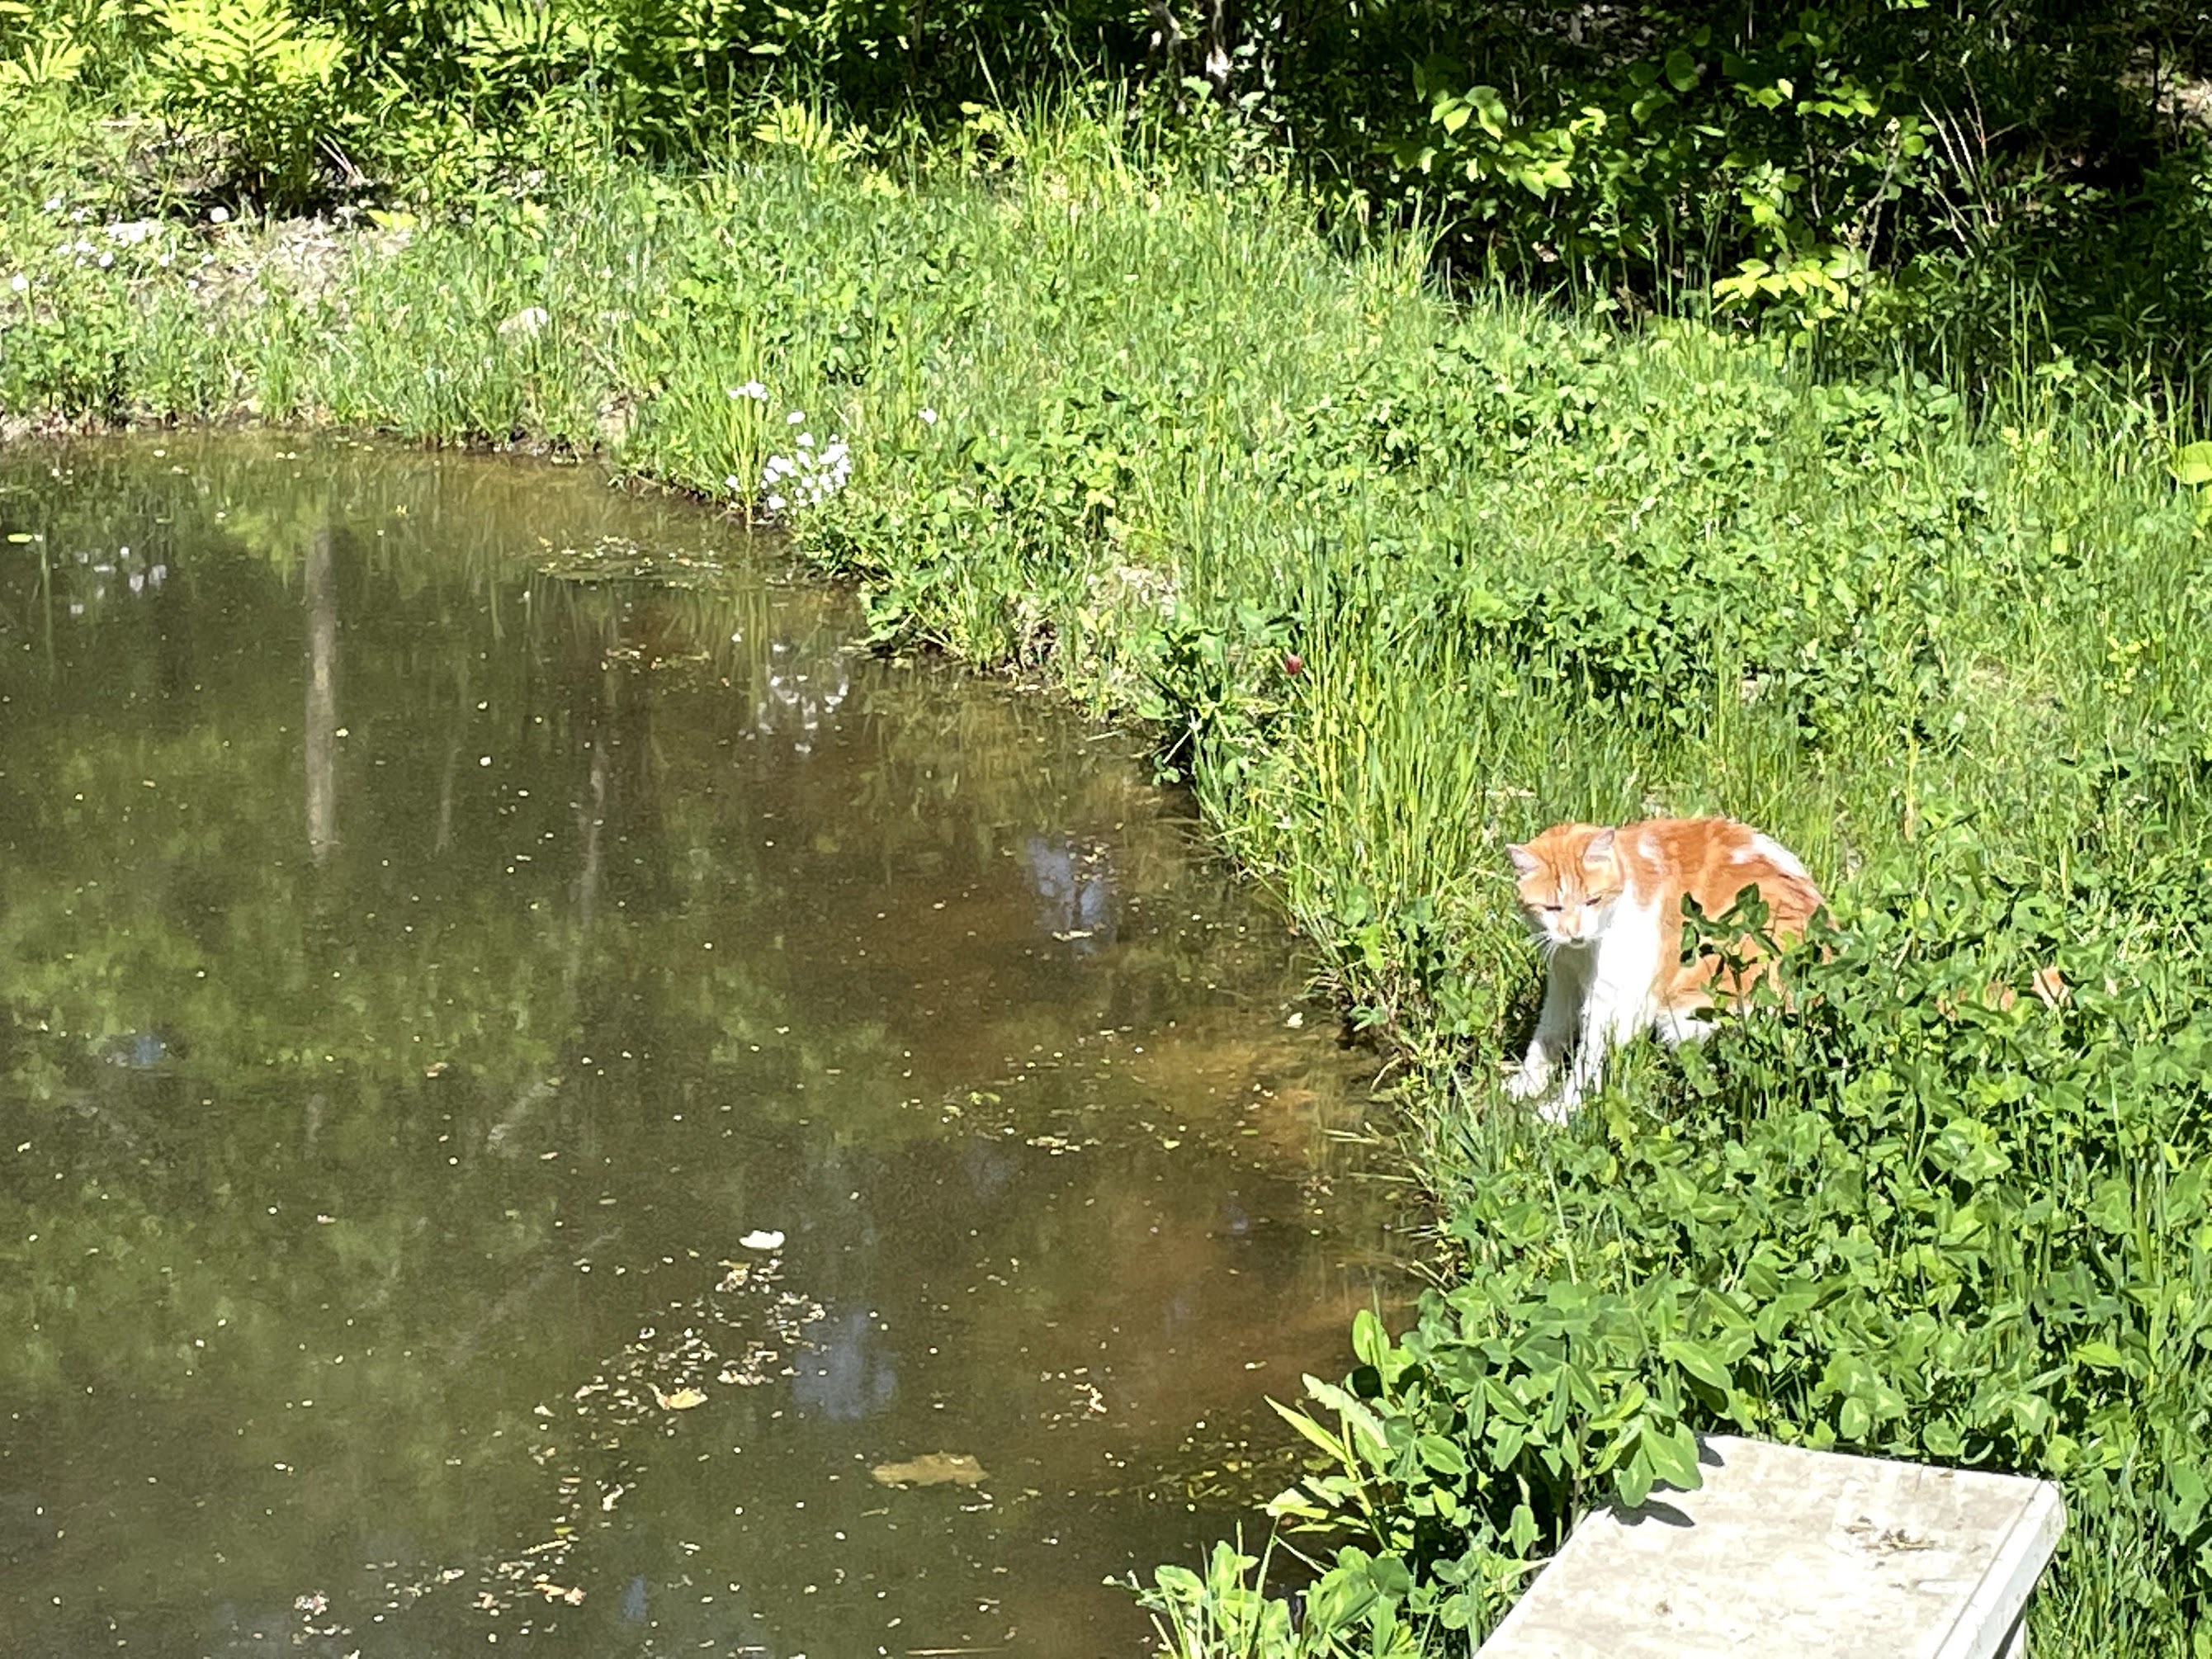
(1399, 580)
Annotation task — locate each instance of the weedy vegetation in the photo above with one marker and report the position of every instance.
(1118, 397)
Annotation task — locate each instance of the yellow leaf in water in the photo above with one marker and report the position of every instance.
(682, 1399)
(931, 1469)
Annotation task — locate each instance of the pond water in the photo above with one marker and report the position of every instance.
(592, 1115)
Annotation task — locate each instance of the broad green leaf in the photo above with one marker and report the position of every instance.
(1354, 1412)
(1370, 1342)
(2099, 1355)
(1854, 1420)
(2192, 463)
(1631, 1481)
(1674, 1458)
(1441, 1455)
(1698, 1361)
(1311, 1430)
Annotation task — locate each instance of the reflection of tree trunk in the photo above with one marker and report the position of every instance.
(322, 699)
(446, 797)
(591, 818)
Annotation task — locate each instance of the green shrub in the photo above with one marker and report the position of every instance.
(266, 87)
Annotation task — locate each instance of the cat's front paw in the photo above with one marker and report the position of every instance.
(1526, 1082)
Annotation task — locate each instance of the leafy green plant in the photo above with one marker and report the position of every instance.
(2192, 470)
(1354, 1610)
(265, 86)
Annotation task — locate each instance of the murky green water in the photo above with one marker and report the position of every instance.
(527, 1106)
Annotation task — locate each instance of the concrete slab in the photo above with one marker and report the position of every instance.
(1815, 1555)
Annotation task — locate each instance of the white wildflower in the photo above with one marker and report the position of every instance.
(806, 477)
(53, 204)
(106, 260)
(752, 389)
(218, 215)
(732, 483)
(797, 417)
(19, 282)
(929, 417)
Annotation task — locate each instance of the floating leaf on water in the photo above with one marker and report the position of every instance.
(931, 1469)
(679, 1400)
(762, 1239)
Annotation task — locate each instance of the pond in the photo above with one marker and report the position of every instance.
(548, 1098)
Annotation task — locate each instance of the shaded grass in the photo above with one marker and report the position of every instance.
(1397, 580)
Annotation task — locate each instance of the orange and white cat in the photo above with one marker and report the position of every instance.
(1607, 906)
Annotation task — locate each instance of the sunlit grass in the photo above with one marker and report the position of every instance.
(1398, 579)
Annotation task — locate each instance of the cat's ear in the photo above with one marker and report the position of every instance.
(1600, 850)
(1525, 860)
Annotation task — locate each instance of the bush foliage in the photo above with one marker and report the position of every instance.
(1884, 173)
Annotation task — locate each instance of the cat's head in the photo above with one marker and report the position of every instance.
(1569, 879)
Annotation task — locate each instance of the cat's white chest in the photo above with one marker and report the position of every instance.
(1596, 995)
(1625, 970)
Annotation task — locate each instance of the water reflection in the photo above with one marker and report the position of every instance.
(850, 1372)
(806, 682)
(319, 735)
(682, 1067)
(1075, 884)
